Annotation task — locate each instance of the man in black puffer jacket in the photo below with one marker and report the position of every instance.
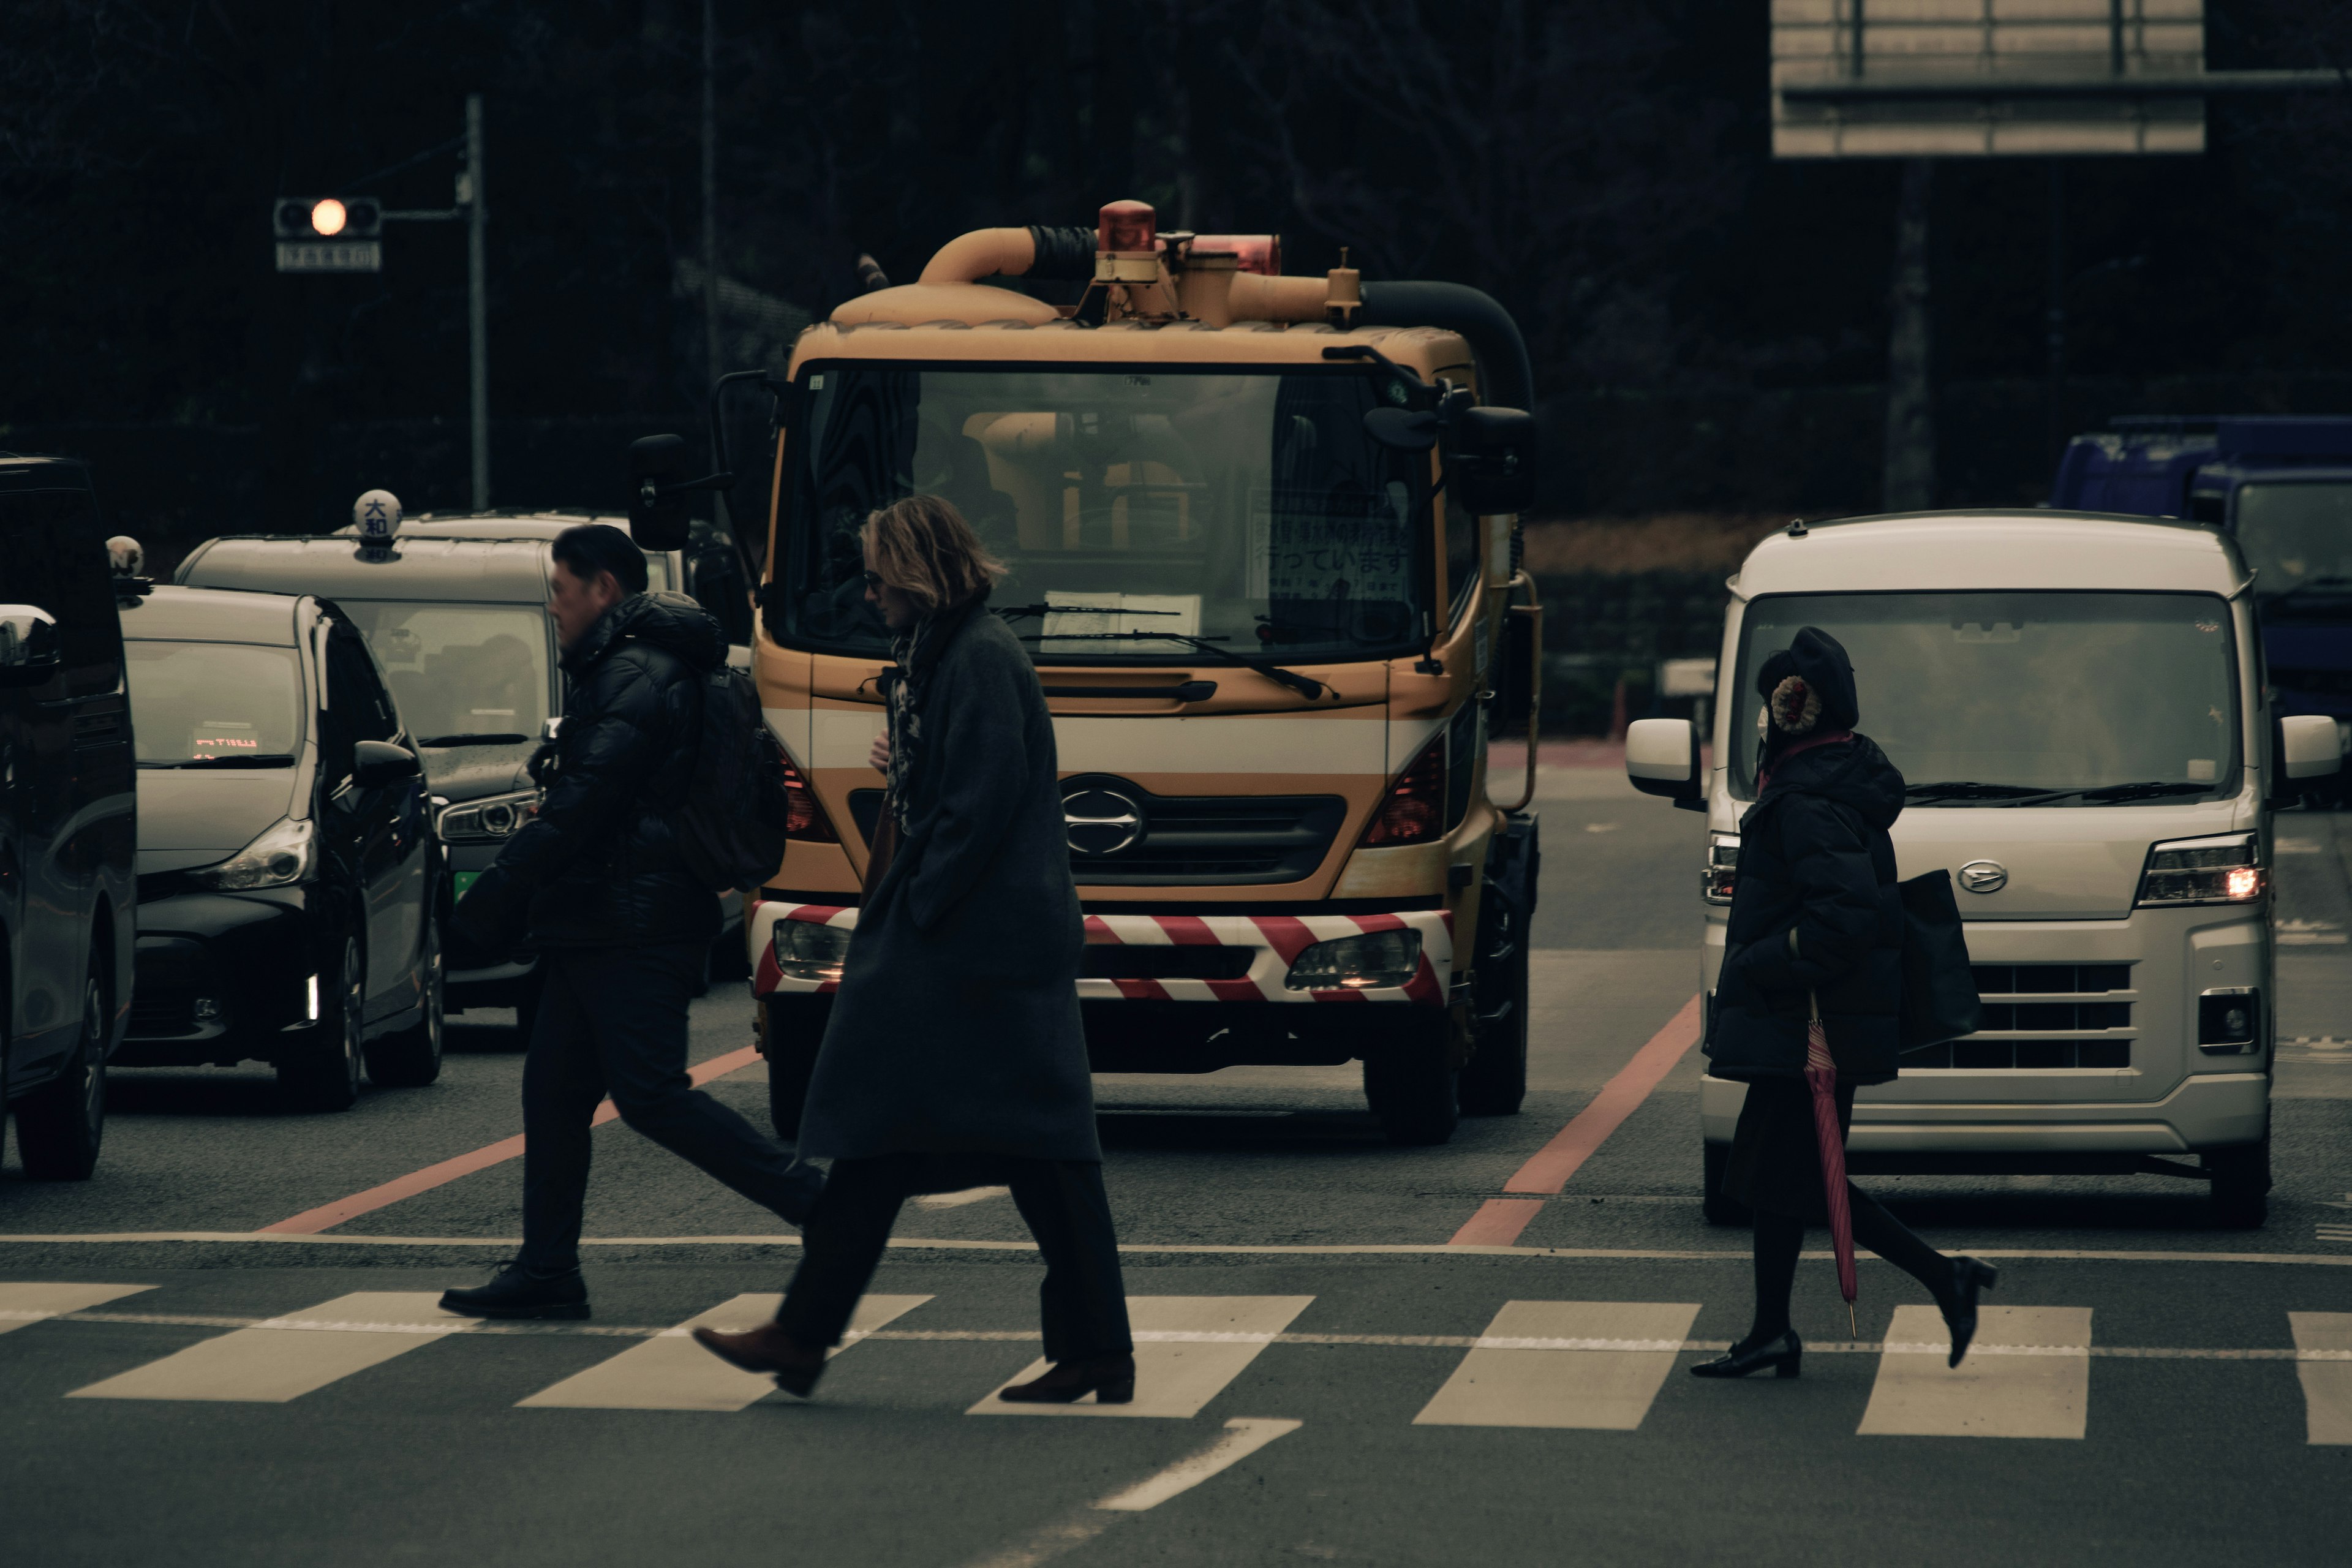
(595, 884)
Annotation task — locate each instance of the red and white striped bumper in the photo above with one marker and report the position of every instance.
(1275, 941)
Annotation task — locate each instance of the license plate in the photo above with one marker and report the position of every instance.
(461, 881)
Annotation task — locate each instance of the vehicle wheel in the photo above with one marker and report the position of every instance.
(322, 1071)
(2240, 1184)
(60, 1124)
(1413, 1086)
(1719, 1209)
(412, 1059)
(792, 1028)
(1494, 1080)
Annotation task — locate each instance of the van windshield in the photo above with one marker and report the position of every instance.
(2009, 699)
(460, 674)
(1246, 510)
(2296, 536)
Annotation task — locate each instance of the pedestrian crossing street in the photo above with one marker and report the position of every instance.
(1594, 1365)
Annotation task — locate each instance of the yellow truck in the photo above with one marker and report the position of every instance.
(1262, 534)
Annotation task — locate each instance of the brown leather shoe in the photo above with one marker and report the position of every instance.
(767, 1348)
(1110, 1379)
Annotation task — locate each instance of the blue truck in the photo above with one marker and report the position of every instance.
(2282, 485)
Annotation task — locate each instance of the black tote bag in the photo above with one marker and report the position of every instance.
(1939, 994)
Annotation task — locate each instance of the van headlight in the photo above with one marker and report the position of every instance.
(1377, 961)
(493, 819)
(1716, 878)
(279, 858)
(805, 951)
(2222, 870)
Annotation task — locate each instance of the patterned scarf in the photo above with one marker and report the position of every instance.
(905, 687)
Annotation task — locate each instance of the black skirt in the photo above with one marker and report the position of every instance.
(1776, 1155)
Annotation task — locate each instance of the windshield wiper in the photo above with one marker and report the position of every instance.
(475, 740)
(251, 760)
(1304, 685)
(1023, 612)
(2150, 789)
(1969, 789)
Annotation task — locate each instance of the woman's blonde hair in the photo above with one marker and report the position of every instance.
(923, 547)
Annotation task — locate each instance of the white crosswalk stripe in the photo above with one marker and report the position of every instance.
(1625, 1349)
(2029, 1375)
(28, 1301)
(1208, 1341)
(672, 1372)
(290, 1357)
(2326, 1384)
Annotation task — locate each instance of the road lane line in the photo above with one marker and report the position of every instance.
(25, 1302)
(1187, 1349)
(1499, 1221)
(2040, 1388)
(326, 1216)
(670, 1372)
(281, 1358)
(2326, 1383)
(1516, 1379)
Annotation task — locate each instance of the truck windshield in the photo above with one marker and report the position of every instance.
(460, 674)
(1245, 509)
(2296, 536)
(2043, 698)
(213, 704)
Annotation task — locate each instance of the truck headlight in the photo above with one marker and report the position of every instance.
(2220, 871)
(1373, 961)
(493, 819)
(1722, 867)
(805, 951)
(280, 858)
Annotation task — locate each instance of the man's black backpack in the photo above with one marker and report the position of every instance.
(1939, 991)
(731, 830)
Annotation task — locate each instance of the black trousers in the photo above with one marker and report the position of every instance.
(1062, 1201)
(611, 1020)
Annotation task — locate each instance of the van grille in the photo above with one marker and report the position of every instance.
(1971, 1052)
(2022, 1001)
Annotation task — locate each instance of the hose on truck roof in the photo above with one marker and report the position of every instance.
(1508, 379)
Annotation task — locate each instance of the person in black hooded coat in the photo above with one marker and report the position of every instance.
(1815, 922)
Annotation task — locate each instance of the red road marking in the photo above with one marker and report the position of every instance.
(327, 1216)
(1499, 1221)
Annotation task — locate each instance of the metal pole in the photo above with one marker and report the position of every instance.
(478, 301)
(710, 369)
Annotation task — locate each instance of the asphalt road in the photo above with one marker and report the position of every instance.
(1332, 1379)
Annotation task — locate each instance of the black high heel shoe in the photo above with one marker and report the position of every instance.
(1971, 1280)
(1782, 1354)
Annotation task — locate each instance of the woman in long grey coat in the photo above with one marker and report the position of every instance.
(956, 1057)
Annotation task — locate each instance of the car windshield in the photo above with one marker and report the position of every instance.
(213, 704)
(460, 672)
(2296, 535)
(1988, 698)
(1245, 509)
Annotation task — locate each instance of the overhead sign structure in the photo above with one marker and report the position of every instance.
(329, 233)
(1935, 78)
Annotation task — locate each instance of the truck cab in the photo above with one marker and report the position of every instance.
(1261, 535)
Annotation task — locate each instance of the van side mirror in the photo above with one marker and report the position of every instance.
(30, 651)
(375, 764)
(1490, 459)
(1662, 758)
(2305, 748)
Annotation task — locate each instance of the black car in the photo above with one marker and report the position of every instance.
(455, 610)
(291, 898)
(66, 814)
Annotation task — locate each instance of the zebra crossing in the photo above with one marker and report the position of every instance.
(1564, 1364)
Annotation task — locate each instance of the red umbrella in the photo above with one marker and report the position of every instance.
(1820, 1073)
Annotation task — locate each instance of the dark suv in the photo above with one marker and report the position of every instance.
(67, 828)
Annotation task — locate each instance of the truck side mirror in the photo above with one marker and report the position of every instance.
(657, 507)
(1490, 459)
(2305, 747)
(1662, 758)
(29, 650)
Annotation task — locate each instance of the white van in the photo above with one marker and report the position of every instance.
(2077, 704)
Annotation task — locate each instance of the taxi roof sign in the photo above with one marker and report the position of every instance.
(377, 516)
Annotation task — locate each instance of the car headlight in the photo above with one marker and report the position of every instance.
(1716, 878)
(805, 951)
(1376, 961)
(493, 819)
(279, 858)
(2221, 870)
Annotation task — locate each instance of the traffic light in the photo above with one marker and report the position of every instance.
(329, 233)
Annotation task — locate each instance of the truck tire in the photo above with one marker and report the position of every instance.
(412, 1059)
(791, 1029)
(60, 1124)
(1719, 1209)
(1412, 1084)
(1494, 1080)
(320, 1069)
(2241, 1181)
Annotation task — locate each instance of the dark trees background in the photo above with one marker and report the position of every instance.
(1708, 326)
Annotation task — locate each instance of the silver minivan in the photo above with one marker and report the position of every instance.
(2077, 704)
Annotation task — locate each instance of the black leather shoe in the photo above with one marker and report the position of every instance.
(1971, 1280)
(515, 1291)
(1782, 1352)
(1110, 1379)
